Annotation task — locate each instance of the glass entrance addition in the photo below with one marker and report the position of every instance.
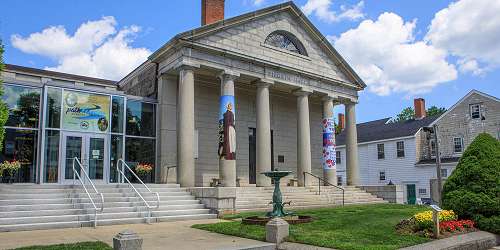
(90, 149)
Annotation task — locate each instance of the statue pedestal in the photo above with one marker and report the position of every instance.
(277, 230)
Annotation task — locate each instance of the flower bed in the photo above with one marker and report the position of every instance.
(423, 224)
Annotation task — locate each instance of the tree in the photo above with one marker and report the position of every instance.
(473, 189)
(408, 113)
(405, 115)
(433, 110)
(4, 111)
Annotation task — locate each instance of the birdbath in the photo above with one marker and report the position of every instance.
(277, 202)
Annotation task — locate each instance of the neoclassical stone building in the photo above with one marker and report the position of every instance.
(240, 96)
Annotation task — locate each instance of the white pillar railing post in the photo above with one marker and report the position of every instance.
(185, 128)
(263, 140)
(352, 166)
(227, 130)
(303, 137)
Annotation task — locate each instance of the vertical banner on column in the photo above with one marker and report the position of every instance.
(227, 131)
(329, 144)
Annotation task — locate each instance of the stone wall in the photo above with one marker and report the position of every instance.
(458, 123)
(142, 82)
(391, 193)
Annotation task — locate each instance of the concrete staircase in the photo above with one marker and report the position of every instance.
(258, 198)
(32, 207)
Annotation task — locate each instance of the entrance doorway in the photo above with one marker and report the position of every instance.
(252, 155)
(90, 149)
(411, 194)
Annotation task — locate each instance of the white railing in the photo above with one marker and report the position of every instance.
(76, 174)
(124, 178)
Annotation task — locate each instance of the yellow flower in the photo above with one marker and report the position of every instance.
(445, 215)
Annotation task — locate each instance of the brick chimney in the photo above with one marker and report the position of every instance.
(419, 106)
(211, 11)
(341, 122)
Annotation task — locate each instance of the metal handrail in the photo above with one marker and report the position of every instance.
(122, 172)
(76, 174)
(326, 182)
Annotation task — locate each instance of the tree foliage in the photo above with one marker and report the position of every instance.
(408, 113)
(4, 112)
(473, 189)
(433, 110)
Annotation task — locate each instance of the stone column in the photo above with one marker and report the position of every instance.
(352, 167)
(329, 156)
(185, 128)
(303, 137)
(227, 130)
(263, 133)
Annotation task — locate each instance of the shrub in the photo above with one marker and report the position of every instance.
(473, 189)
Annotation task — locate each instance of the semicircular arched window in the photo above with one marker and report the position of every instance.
(285, 40)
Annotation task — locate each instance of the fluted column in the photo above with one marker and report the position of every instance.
(263, 133)
(329, 156)
(185, 128)
(227, 130)
(352, 167)
(303, 137)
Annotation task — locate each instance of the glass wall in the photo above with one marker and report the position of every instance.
(21, 130)
(140, 142)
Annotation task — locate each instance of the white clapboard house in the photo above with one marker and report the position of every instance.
(404, 154)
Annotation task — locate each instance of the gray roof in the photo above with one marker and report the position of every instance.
(383, 130)
(61, 75)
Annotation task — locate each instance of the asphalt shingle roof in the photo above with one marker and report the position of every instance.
(382, 129)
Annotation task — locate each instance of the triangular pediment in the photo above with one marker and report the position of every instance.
(246, 35)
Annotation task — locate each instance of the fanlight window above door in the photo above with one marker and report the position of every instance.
(285, 40)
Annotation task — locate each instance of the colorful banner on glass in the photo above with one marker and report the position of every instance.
(85, 111)
(227, 131)
(329, 144)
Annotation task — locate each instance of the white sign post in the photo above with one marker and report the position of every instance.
(435, 218)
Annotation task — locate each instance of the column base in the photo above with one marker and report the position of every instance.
(330, 175)
(227, 172)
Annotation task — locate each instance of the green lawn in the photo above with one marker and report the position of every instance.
(97, 245)
(349, 227)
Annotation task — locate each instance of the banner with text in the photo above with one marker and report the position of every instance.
(85, 112)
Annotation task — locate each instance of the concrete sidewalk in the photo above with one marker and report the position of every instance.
(167, 235)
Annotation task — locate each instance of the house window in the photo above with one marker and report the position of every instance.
(381, 175)
(422, 191)
(475, 111)
(433, 147)
(338, 159)
(458, 144)
(444, 172)
(339, 180)
(380, 151)
(400, 148)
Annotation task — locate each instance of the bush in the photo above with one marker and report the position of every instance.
(473, 189)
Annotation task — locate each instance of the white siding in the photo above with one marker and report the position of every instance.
(398, 170)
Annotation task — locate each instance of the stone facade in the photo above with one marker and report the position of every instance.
(237, 47)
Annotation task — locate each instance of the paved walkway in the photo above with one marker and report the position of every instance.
(167, 235)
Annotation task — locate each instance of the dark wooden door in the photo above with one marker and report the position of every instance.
(252, 168)
(252, 156)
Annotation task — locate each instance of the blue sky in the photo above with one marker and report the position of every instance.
(412, 58)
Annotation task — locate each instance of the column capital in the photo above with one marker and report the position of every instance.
(304, 91)
(331, 97)
(187, 65)
(228, 75)
(349, 100)
(263, 82)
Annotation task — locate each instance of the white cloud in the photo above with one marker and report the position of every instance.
(95, 49)
(258, 2)
(385, 54)
(322, 10)
(469, 30)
